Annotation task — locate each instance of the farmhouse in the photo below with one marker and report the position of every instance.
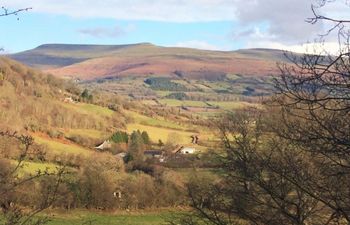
(154, 154)
(184, 150)
(187, 150)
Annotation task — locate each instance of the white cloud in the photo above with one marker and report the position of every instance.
(283, 19)
(198, 45)
(261, 23)
(309, 48)
(107, 32)
(100, 32)
(157, 10)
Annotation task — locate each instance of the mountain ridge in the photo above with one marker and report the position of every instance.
(88, 62)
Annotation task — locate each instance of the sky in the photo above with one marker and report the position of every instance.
(204, 24)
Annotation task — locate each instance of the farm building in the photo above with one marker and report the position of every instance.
(184, 150)
(105, 145)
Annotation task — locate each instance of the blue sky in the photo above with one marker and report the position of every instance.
(205, 24)
(33, 29)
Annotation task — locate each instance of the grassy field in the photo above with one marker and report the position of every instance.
(163, 93)
(157, 133)
(96, 109)
(122, 218)
(176, 103)
(158, 122)
(34, 167)
(80, 217)
(232, 105)
(89, 109)
(149, 102)
(188, 173)
(59, 147)
(86, 132)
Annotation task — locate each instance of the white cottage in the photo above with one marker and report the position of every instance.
(187, 150)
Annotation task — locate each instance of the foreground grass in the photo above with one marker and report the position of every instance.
(122, 218)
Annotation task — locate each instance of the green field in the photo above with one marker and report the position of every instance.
(89, 109)
(86, 132)
(176, 103)
(157, 133)
(34, 167)
(188, 173)
(79, 217)
(232, 105)
(163, 93)
(121, 218)
(157, 122)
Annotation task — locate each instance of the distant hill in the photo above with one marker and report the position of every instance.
(89, 62)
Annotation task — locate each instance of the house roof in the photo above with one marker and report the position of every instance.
(153, 152)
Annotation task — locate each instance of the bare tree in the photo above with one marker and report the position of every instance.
(316, 90)
(11, 181)
(291, 165)
(262, 173)
(9, 12)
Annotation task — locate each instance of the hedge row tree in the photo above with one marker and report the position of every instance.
(136, 148)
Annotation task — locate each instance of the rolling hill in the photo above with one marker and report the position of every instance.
(89, 62)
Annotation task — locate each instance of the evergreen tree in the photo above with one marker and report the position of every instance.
(120, 137)
(136, 147)
(145, 138)
(86, 96)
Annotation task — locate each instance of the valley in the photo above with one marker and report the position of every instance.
(116, 130)
(172, 112)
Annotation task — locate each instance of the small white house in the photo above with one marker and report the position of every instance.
(187, 150)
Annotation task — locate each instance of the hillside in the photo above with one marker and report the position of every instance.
(42, 99)
(89, 62)
(54, 112)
